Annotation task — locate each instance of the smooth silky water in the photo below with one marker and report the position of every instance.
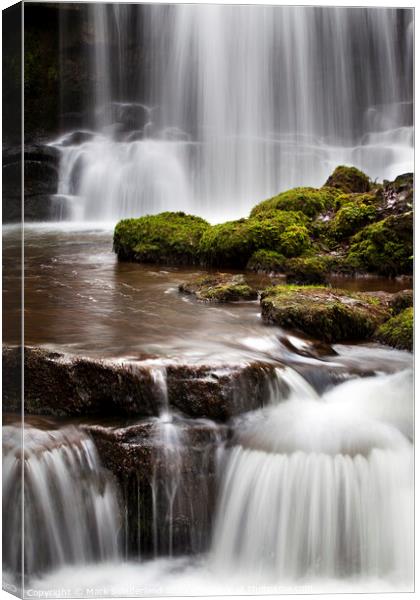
(314, 492)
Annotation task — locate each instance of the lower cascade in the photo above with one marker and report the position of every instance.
(318, 488)
(71, 509)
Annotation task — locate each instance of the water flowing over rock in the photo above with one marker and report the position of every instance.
(71, 503)
(186, 139)
(319, 488)
(63, 385)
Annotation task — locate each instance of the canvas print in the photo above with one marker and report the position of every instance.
(207, 299)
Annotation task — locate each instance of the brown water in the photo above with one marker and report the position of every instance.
(79, 298)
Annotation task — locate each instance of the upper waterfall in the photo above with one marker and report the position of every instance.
(232, 104)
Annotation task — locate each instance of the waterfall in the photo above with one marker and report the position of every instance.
(320, 488)
(71, 511)
(233, 104)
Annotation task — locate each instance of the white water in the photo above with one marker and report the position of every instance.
(239, 103)
(316, 495)
(71, 504)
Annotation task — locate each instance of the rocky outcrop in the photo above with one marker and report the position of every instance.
(62, 385)
(327, 314)
(398, 331)
(41, 164)
(219, 287)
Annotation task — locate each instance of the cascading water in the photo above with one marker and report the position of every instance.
(320, 488)
(236, 103)
(71, 510)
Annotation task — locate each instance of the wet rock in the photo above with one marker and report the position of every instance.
(62, 385)
(401, 300)
(75, 138)
(167, 474)
(219, 287)
(327, 314)
(398, 195)
(41, 181)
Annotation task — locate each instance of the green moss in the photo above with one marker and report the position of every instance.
(171, 238)
(266, 261)
(309, 201)
(306, 270)
(348, 179)
(398, 331)
(355, 213)
(327, 314)
(219, 287)
(233, 243)
(385, 247)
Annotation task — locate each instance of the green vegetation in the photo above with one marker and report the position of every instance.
(233, 243)
(349, 180)
(385, 247)
(346, 227)
(219, 287)
(306, 270)
(355, 211)
(309, 201)
(171, 238)
(266, 261)
(327, 314)
(398, 331)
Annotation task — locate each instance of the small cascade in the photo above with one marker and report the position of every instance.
(169, 496)
(319, 488)
(71, 512)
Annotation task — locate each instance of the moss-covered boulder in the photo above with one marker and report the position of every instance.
(219, 287)
(385, 247)
(169, 238)
(401, 300)
(233, 243)
(327, 314)
(309, 201)
(306, 270)
(354, 212)
(349, 180)
(398, 331)
(266, 261)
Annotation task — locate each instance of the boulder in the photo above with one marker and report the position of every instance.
(219, 287)
(327, 314)
(349, 180)
(64, 385)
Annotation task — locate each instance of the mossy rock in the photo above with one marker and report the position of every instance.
(309, 201)
(266, 261)
(327, 314)
(233, 243)
(219, 287)
(385, 247)
(355, 212)
(402, 300)
(169, 238)
(398, 331)
(349, 180)
(306, 270)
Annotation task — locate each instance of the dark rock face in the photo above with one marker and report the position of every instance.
(167, 475)
(40, 178)
(60, 385)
